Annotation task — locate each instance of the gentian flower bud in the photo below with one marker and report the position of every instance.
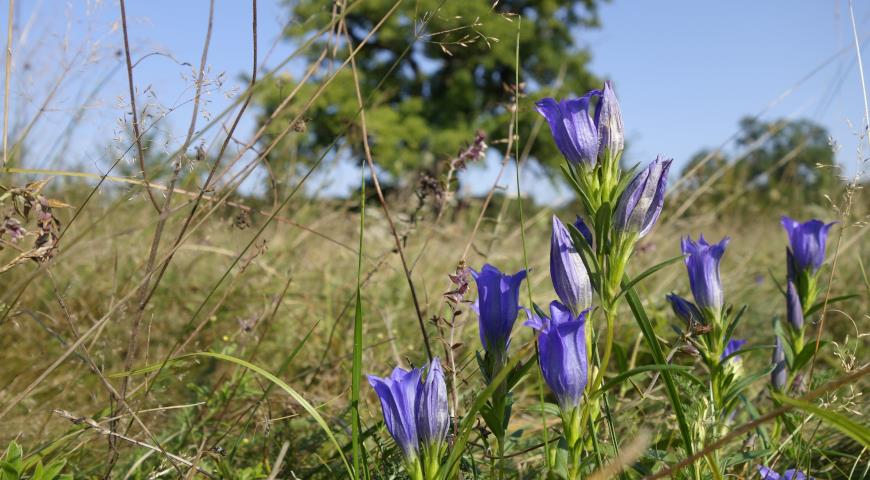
(573, 129)
(581, 227)
(562, 353)
(641, 203)
(794, 310)
(779, 376)
(398, 395)
(433, 417)
(790, 474)
(807, 242)
(702, 263)
(685, 310)
(497, 306)
(733, 346)
(790, 265)
(608, 119)
(567, 271)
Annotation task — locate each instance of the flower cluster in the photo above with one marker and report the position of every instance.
(588, 273)
(416, 414)
(791, 474)
(804, 257)
(562, 353)
(497, 307)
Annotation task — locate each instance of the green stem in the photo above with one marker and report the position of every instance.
(670, 385)
(415, 469)
(500, 464)
(608, 348)
(714, 466)
(571, 426)
(593, 434)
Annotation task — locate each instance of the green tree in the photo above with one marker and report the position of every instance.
(778, 162)
(457, 78)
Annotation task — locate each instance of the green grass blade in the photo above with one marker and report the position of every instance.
(647, 273)
(634, 371)
(450, 466)
(655, 349)
(856, 431)
(818, 306)
(356, 426)
(290, 391)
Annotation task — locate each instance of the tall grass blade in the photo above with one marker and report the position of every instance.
(356, 427)
(656, 350)
(854, 430)
(468, 422)
(290, 391)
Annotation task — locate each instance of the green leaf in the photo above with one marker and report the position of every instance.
(13, 452)
(602, 226)
(736, 388)
(647, 273)
(521, 371)
(692, 378)
(586, 254)
(53, 469)
(806, 354)
(818, 306)
(572, 181)
(466, 425)
(733, 323)
(856, 431)
(550, 409)
(744, 350)
(615, 381)
(626, 177)
(655, 349)
(776, 282)
(8, 471)
(290, 391)
(786, 343)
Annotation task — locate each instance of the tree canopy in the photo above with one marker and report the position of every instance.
(454, 75)
(776, 162)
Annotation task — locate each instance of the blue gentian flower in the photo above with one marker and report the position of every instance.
(567, 271)
(562, 353)
(702, 263)
(433, 417)
(641, 203)
(608, 120)
(779, 376)
(573, 129)
(581, 227)
(794, 310)
(732, 347)
(497, 306)
(790, 474)
(685, 310)
(807, 242)
(398, 394)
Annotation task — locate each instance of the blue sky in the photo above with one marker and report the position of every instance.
(685, 72)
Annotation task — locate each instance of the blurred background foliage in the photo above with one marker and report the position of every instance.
(776, 163)
(456, 79)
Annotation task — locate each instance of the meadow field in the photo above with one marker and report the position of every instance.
(194, 305)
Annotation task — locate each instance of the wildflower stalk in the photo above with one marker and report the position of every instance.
(620, 210)
(571, 425)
